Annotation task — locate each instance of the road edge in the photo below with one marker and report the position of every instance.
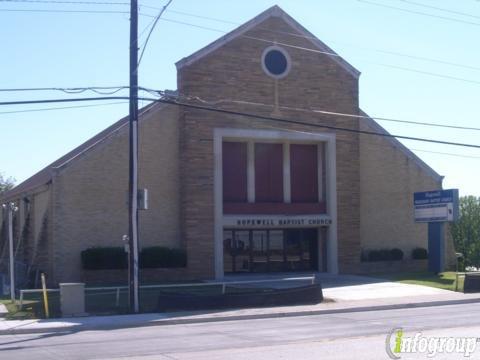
(184, 321)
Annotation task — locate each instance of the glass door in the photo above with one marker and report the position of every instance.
(259, 259)
(262, 251)
(293, 250)
(276, 253)
(236, 251)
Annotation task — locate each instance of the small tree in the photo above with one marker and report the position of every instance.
(6, 183)
(466, 232)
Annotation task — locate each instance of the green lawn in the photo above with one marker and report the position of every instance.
(14, 314)
(445, 280)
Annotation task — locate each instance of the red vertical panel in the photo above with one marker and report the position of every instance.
(304, 173)
(268, 172)
(234, 162)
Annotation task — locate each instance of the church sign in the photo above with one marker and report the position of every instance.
(275, 221)
(436, 206)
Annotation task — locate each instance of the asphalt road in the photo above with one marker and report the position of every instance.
(358, 335)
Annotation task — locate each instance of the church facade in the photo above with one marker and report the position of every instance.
(282, 176)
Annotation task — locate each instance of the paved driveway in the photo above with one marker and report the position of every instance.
(352, 287)
(344, 287)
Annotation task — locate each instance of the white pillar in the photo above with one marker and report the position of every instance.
(320, 170)
(287, 195)
(251, 171)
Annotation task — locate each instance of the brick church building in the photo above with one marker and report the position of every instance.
(238, 194)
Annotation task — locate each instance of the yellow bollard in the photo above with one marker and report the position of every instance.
(45, 297)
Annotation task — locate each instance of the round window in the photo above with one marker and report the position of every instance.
(276, 62)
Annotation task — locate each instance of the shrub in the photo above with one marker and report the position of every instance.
(364, 256)
(384, 255)
(396, 254)
(374, 255)
(162, 257)
(102, 258)
(419, 253)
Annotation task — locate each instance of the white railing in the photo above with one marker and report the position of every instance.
(31, 291)
(116, 289)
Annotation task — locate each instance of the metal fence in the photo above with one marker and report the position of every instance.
(116, 290)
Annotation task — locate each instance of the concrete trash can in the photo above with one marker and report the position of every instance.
(72, 299)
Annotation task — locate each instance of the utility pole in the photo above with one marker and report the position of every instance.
(133, 162)
(11, 208)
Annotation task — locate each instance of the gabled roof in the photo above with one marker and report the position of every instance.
(274, 11)
(44, 176)
(398, 145)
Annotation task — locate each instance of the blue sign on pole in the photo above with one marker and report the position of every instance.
(435, 208)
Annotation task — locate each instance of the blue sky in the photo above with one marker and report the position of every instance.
(42, 49)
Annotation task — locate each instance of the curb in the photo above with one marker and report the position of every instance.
(85, 327)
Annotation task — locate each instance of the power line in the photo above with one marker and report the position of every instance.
(151, 30)
(66, 2)
(50, 101)
(314, 38)
(420, 13)
(298, 122)
(395, 53)
(72, 90)
(67, 11)
(446, 153)
(146, 28)
(402, 68)
(324, 112)
(61, 108)
(429, 73)
(448, 77)
(209, 18)
(440, 9)
(78, 90)
(64, 88)
(249, 115)
(422, 58)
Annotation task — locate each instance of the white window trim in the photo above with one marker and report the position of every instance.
(320, 171)
(287, 189)
(251, 171)
(287, 58)
(279, 136)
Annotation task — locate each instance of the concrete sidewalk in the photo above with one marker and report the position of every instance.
(339, 306)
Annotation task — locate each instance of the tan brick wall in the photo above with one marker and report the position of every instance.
(90, 193)
(30, 250)
(40, 203)
(40, 247)
(388, 179)
(234, 72)
(147, 276)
